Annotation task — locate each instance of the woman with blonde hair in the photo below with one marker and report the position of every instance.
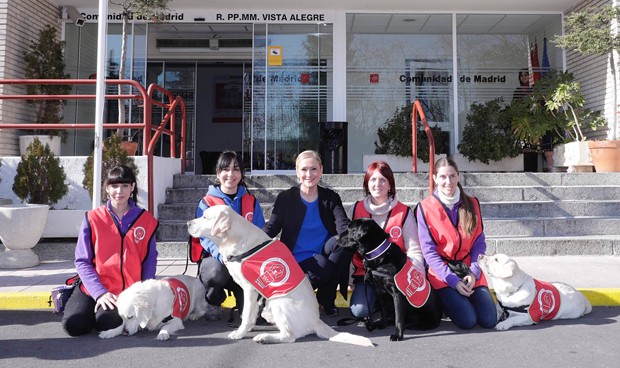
(308, 217)
(452, 238)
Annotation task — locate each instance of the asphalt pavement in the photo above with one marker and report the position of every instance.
(36, 339)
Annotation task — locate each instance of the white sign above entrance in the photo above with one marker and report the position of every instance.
(226, 16)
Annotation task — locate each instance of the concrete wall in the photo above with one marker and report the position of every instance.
(594, 74)
(20, 23)
(78, 198)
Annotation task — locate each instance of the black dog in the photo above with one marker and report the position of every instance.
(366, 236)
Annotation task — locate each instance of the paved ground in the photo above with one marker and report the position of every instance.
(598, 277)
(35, 339)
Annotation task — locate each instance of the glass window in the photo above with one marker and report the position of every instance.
(393, 60)
(493, 48)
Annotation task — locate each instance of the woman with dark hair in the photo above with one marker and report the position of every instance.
(396, 218)
(452, 238)
(115, 248)
(230, 189)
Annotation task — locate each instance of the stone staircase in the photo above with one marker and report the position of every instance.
(524, 214)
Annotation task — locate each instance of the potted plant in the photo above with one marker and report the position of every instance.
(394, 137)
(113, 155)
(488, 134)
(593, 32)
(40, 181)
(44, 60)
(556, 109)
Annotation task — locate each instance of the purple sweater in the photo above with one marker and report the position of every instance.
(84, 254)
(434, 260)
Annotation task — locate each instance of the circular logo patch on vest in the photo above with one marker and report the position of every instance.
(249, 216)
(139, 233)
(396, 232)
(274, 272)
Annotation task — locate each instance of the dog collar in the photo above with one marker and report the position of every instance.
(239, 257)
(378, 250)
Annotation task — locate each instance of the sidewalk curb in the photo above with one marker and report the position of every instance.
(23, 300)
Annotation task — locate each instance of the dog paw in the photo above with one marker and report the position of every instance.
(260, 338)
(502, 326)
(235, 335)
(108, 334)
(163, 335)
(396, 338)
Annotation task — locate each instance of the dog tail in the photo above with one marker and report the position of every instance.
(326, 332)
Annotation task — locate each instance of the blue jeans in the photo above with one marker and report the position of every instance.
(466, 312)
(363, 299)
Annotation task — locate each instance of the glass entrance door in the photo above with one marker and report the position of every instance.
(287, 93)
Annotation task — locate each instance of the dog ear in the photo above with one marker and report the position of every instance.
(142, 315)
(221, 224)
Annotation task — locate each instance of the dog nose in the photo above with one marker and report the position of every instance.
(480, 256)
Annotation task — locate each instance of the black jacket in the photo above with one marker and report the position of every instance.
(289, 212)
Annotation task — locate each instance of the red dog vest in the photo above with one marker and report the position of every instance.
(413, 285)
(182, 299)
(272, 270)
(546, 304)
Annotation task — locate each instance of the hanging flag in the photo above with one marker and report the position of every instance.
(535, 75)
(546, 67)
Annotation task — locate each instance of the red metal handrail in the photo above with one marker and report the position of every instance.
(417, 110)
(144, 95)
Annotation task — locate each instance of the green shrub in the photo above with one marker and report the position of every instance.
(395, 136)
(113, 155)
(488, 135)
(40, 178)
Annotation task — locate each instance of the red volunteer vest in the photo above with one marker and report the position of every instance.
(247, 211)
(272, 270)
(412, 283)
(452, 243)
(393, 227)
(182, 301)
(546, 304)
(118, 259)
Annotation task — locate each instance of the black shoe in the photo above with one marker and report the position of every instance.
(330, 311)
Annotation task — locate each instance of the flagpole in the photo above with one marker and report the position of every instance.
(102, 45)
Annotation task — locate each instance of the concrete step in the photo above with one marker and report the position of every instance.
(518, 209)
(418, 180)
(176, 230)
(413, 195)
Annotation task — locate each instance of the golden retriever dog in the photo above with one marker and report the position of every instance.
(524, 300)
(161, 304)
(295, 314)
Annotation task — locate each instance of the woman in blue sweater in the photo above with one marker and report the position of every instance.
(309, 216)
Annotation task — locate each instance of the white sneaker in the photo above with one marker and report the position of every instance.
(214, 312)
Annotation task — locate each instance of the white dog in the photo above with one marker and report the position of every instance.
(527, 301)
(159, 304)
(295, 314)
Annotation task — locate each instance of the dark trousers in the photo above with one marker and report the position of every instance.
(215, 277)
(79, 317)
(327, 270)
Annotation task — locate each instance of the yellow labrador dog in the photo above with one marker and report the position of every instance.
(295, 314)
(161, 304)
(524, 300)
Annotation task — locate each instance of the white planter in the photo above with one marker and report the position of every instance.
(404, 164)
(574, 156)
(53, 142)
(63, 223)
(508, 164)
(21, 227)
(397, 163)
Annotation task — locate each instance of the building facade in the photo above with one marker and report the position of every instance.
(263, 81)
